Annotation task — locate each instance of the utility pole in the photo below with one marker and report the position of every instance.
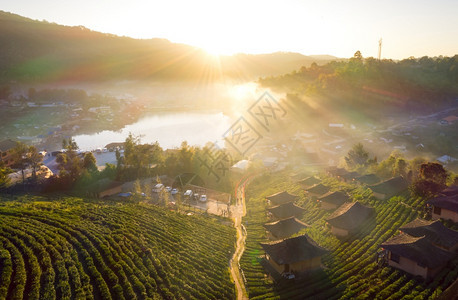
(379, 48)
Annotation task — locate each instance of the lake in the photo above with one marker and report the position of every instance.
(168, 128)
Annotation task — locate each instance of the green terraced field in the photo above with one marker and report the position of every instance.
(350, 269)
(69, 248)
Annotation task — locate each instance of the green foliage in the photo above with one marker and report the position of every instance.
(68, 248)
(357, 156)
(369, 84)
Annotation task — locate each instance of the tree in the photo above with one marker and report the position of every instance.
(70, 164)
(185, 157)
(400, 167)
(89, 162)
(434, 172)
(357, 156)
(4, 179)
(20, 159)
(431, 180)
(137, 188)
(35, 160)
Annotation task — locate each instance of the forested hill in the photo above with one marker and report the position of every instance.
(37, 50)
(367, 83)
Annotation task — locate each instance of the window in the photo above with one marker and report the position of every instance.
(437, 210)
(394, 257)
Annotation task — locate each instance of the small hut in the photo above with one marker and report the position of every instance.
(286, 210)
(348, 218)
(445, 207)
(317, 190)
(389, 188)
(416, 255)
(332, 200)
(297, 255)
(281, 198)
(434, 231)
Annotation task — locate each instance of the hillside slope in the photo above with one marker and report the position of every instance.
(35, 50)
(72, 249)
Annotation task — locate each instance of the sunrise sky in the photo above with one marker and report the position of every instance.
(408, 27)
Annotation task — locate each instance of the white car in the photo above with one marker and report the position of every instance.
(168, 189)
(203, 198)
(288, 275)
(174, 191)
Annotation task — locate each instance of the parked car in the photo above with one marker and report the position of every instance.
(188, 193)
(203, 198)
(288, 275)
(174, 191)
(158, 188)
(168, 189)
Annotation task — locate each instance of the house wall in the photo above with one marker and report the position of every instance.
(409, 266)
(306, 265)
(339, 231)
(327, 206)
(299, 267)
(446, 214)
(279, 268)
(109, 192)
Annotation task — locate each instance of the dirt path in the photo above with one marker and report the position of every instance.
(238, 211)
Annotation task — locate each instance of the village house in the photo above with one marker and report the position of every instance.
(445, 207)
(336, 172)
(332, 200)
(6, 152)
(317, 190)
(434, 231)
(296, 255)
(369, 179)
(389, 188)
(348, 218)
(286, 210)
(416, 255)
(281, 198)
(348, 177)
(284, 228)
(309, 181)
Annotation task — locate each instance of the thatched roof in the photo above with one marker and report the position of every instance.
(350, 175)
(434, 231)
(286, 227)
(391, 186)
(418, 249)
(318, 189)
(450, 191)
(350, 215)
(309, 181)
(337, 198)
(445, 202)
(334, 171)
(281, 197)
(286, 210)
(292, 250)
(368, 179)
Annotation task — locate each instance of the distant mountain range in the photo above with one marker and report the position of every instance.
(40, 51)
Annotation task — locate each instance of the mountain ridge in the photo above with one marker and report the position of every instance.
(32, 50)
